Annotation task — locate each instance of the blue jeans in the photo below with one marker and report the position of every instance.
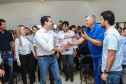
(44, 64)
(114, 77)
(70, 60)
(8, 58)
(96, 64)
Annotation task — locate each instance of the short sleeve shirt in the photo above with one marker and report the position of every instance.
(5, 40)
(112, 41)
(98, 34)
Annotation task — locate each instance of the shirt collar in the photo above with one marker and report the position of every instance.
(67, 32)
(44, 31)
(94, 28)
(109, 29)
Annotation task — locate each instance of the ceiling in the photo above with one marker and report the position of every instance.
(15, 1)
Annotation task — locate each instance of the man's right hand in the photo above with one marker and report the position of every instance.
(68, 45)
(61, 49)
(2, 72)
(19, 63)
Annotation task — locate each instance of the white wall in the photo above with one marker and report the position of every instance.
(28, 13)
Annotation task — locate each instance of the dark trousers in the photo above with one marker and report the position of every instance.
(34, 65)
(70, 60)
(27, 63)
(51, 77)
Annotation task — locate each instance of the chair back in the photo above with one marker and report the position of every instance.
(6, 78)
(87, 59)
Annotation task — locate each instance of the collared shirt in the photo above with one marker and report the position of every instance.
(32, 39)
(64, 41)
(23, 49)
(124, 50)
(112, 41)
(5, 40)
(98, 34)
(56, 31)
(45, 41)
(56, 42)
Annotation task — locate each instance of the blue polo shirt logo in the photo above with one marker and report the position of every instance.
(94, 37)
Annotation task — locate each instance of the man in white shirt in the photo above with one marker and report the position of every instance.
(112, 55)
(68, 56)
(44, 39)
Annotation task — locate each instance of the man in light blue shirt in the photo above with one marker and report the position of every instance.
(112, 50)
(123, 35)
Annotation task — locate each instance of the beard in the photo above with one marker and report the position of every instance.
(27, 33)
(104, 27)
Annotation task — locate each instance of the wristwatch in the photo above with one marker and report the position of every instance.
(106, 72)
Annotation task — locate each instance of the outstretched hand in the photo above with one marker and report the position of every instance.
(74, 36)
(61, 49)
(68, 45)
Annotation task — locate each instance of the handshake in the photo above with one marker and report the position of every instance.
(64, 47)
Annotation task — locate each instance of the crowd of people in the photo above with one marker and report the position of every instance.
(45, 47)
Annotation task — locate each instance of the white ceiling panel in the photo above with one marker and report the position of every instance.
(16, 1)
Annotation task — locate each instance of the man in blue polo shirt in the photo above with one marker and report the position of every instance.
(6, 47)
(94, 34)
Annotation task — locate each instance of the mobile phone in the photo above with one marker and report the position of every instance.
(82, 31)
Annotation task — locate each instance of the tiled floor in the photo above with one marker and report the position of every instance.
(76, 80)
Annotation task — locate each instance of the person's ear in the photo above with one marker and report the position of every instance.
(106, 22)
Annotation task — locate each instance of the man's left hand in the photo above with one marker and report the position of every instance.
(85, 36)
(74, 54)
(104, 76)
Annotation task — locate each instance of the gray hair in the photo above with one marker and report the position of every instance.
(91, 17)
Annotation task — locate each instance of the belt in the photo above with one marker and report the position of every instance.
(46, 56)
(5, 51)
(27, 54)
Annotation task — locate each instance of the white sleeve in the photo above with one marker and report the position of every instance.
(74, 39)
(58, 36)
(56, 42)
(34, 44)
(17, 49)
(112, 42)
(43, 44)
